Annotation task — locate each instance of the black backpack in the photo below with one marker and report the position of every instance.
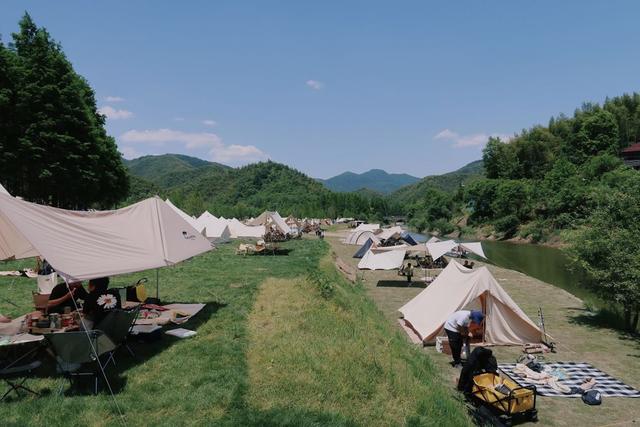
(592, 397)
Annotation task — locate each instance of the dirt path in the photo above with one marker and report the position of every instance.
(571, 326)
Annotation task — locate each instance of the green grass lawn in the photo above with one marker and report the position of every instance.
(270, 350)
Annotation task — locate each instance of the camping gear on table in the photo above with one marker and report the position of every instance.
(504, 397)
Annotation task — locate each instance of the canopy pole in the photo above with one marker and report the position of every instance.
(158, 284)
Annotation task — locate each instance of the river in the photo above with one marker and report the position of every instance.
(548, 264)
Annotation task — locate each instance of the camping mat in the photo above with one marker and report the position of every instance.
(175, 313)
(577, 373)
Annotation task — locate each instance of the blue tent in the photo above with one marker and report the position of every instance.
(408, 239)
(364, 248)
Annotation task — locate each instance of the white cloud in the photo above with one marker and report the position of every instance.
(315, 84)
(210, 123)
(471, 140)
(237, 154)
(114, 114)
(216, 149)
(113, 99)
(129, 153)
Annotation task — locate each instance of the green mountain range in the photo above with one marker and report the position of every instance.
(448, 182)
(375, 179)
(198, 185)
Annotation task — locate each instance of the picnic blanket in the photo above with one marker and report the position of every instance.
(577, 373)
(175, 313)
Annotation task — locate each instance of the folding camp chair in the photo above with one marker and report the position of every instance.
(16, 376)
(75, 350)
(117, 325)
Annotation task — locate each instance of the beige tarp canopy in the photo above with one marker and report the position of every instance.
(458, 288)
(439, 248)
(86, 245)
(382, 260)
(3, 190)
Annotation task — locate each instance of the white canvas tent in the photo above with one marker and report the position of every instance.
(367, 227)
(239, 230)
(202, 220)
(191, 220)
(360, 237)
(389, 232)
(215, 229)
(3, 190)
(269, 219)
(458, 288)
(86, 245)
(433, 239)
(382, 260)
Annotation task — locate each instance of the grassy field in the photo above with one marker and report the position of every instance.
(270, 350)
(579, 334)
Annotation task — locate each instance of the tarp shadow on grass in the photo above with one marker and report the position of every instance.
(400, 284)
(143, 351)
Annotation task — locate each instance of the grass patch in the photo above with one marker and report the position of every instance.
(206, 380)
(339, 356)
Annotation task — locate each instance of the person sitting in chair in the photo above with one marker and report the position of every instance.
(100, 300)
(62, 297)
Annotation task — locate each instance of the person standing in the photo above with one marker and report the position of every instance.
(457, 329)
(409, 273)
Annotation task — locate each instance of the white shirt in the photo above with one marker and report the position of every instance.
(458, 320)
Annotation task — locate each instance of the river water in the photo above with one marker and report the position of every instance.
(550, 265)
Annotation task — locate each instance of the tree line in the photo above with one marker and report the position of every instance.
(564, 179)
(53, 145)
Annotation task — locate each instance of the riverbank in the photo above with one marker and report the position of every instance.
(579, 335)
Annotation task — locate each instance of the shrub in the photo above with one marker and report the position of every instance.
(507, 225)
(322, 282)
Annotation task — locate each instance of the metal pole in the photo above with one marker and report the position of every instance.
(158, 284)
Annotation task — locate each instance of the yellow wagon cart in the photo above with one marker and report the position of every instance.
(505, 398)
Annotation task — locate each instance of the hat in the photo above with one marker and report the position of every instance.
(476, 316)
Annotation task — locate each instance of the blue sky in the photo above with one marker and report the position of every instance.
(325, 87)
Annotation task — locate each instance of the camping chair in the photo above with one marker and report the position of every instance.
(75, 349)
(117, 325)
(16, 376)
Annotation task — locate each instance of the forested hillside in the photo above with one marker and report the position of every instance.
(376, 180)
(448, 182)
(53, 145)
(247, 191)
(168, 170)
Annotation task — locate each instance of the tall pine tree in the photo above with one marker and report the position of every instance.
(55, 149)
